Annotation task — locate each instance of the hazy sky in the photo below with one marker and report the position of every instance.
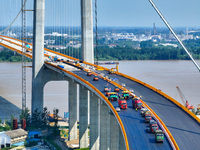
(141, 13)
(135, 13)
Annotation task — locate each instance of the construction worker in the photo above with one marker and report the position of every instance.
(136, 108)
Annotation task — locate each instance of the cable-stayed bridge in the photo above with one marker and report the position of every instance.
(109, 129)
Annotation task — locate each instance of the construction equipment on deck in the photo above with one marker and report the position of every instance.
(113, 70)
(184, 100)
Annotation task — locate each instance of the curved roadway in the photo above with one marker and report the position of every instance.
(132, 120)
(185, 130)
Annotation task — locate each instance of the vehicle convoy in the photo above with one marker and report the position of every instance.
(112, 96)
(159, 136)
(147, 116)
(143, 111)
(153, 126)
(95, 78)
(125, 94)
(137, 103)
(122, 103)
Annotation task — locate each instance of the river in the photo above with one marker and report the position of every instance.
(164, 75)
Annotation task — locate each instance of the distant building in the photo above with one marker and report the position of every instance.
(12, 137)
(112, 45)
(5, 140)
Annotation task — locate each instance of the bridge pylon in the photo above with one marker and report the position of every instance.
(38, 55)
(87, 31)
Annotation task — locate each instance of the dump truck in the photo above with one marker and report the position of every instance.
(143, 111)
(159, 136)
(147, 116)
(153, 126)
(122, 103)
(137, 103)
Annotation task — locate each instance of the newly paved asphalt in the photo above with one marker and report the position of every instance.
(133, 122)
(184, 129)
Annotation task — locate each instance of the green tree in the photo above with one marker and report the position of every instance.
(55, 116)
(44, 116)
(36, 118)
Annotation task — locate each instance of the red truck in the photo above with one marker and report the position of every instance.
(122, 103)
(153, 126)
(137, 103)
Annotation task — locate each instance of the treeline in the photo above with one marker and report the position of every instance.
(150, 53)
(10, 56)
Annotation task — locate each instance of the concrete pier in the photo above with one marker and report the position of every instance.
(83, 116)
(94, 121)
(121, 140)
(104, 127)
(72, 110)
(87, 31)
(114, 133)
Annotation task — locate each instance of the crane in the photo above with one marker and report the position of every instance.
(184, 100)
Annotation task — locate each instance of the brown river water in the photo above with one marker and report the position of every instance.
(164, 75)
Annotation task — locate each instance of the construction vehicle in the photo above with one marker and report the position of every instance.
(198, 110)
(106, 88)
(113, 96)
(159, 136)
(89, 73)
(113, 70)
(185, 102)
(116, 89)
(137, 103)
(143, 111)
(125, 94)
(153, 126)
(147, 116)
(95, 78)
(122, 103)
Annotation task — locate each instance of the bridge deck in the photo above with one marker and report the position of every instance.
(185, 130)
(133, 122)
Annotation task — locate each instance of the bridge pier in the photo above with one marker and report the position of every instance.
(94, 121)
(104, 127)
(121, 141)
(83, 117)
(114, 133)
(72, 101)
(45, 75)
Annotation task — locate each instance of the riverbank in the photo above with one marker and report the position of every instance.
(164, 75)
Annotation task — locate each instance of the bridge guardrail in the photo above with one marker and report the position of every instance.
(163, 94)
(103, 96)
(173, 142)
(126, 76)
